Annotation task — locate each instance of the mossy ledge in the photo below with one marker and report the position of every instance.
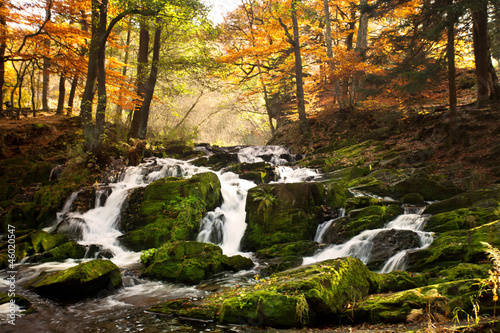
(88, 279)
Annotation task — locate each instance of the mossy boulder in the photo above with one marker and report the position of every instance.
(43, 241)
(190, 262)
(300, 248)
(485, 197)
(285, 256)
(282, 213)
(62, 252)
(293, 298)
(89, 279)
(413, 199)
(430, 189)
(416, 304)
(259, 173)
(25, 304)
(401, 280)
(359, 202)
(168, 210)
(454, 247)
(359, 220)
(463, 218)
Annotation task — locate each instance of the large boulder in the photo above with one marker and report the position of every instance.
(359, 220)
(485, 197)
(454, 247)
(190, 262)
(89, 279)
(282, 213)
(168, 210)
(305, 295)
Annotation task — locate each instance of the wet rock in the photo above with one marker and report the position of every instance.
(72, 227)
(483, 197)
(113, 171)
(282, 213)
(168, 210)
(69, 250)
(190, 262)
(389, 242)
(294, 298)
(89, 279)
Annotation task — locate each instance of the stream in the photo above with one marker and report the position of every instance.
(124, 310)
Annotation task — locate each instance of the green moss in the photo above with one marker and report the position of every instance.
(282, 213)
(300, 248)
(93, 278)
(463, 218)
(60, 253)
(190, 262)
(43, 241)
(454, 247)
(22, 216)
(305, 295)
(359, 202)
(401, 280)
(486, 197)
(22, 302)
(168, 210)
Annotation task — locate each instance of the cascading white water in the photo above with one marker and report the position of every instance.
(226, 225)
(323, 227)
(272, 154)
(361, 245)
(98, 225)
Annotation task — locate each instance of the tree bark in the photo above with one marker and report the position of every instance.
(304, 124)
(150, 86)
(142, 60)
(62, 94)
(119, 108)
(90, 83)
(452, 87)
(481, 53)
(72, 93)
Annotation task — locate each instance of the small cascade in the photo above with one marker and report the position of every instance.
(276, 155)
(226, 225)
(98, 226)
(362, 246)
(323, 227)
(296, 175)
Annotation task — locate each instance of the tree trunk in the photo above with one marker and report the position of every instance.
(33, 91)
(46, 80)
(119, 108)
(62, 94)
(142, 59)
(89, 90)
(452, 87)
(150, 86)
(72, 93)
(100, 116)
(481, 53)
(304, 124)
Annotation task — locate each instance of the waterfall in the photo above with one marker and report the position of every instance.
(226, 225)
(361, 246)
(323, 227)
(98, 226)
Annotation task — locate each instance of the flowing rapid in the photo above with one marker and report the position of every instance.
(361, 246)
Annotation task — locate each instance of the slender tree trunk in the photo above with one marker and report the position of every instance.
(90, 84)
(72, 93)
(46, 80)
(62, 94)
(142, 60)
(452, 87)
(304, 124)
(100, 117)
(33, 91)
(481, 53)
(150, 87)
(119, 108)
